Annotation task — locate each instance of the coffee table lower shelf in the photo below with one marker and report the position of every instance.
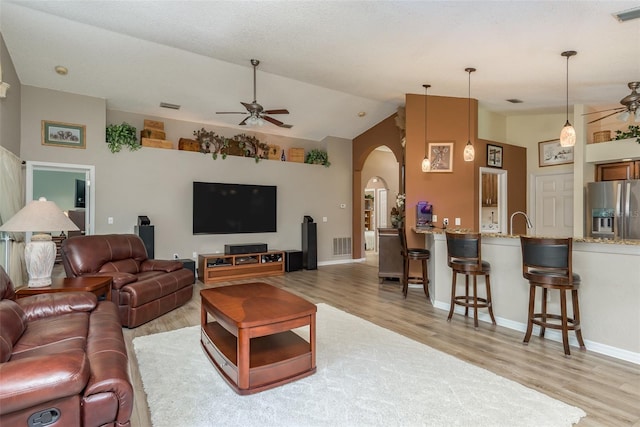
(274, 359)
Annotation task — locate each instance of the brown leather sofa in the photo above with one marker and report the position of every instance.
(143, 289)
(63, 361)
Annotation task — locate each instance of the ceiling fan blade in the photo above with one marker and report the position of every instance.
(602, 111)
(244, 122)
(231, 112)
(280, 111)
(603, 117)
(277, 122)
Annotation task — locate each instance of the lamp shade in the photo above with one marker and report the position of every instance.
(39, 215)
(568, 136)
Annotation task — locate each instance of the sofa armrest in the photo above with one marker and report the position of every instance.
(46, 305)
(118, 278)
(160, 265)
(36, 380)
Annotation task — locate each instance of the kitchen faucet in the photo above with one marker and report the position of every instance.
(529, 225)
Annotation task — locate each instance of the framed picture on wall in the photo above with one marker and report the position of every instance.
(63, 134)
(494, 156)
(441, 156)
(551, 153)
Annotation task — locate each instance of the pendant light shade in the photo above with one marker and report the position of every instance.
(469, 152)
(568, 133)
(426, 163)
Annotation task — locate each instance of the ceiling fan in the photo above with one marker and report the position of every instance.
(631, 104)
(257, 114)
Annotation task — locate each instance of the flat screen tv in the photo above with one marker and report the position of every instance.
(220, 208)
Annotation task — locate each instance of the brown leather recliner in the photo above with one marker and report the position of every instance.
(63, 361)
(143, 289)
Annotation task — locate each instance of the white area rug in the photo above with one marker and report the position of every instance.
(366, 376)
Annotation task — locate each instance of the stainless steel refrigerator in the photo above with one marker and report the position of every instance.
(613, 209)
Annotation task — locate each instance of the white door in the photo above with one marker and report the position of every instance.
(553, 195)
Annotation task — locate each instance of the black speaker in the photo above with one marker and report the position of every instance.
(292, 260)
(310, 245)
(246, 248)
(146, 233)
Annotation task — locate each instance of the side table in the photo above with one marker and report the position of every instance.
(97, 285)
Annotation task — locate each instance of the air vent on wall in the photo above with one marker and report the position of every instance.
(170, 106)
(341, 245)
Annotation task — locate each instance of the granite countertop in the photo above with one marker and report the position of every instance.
(517, 236)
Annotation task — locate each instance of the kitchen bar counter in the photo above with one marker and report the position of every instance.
(609, 293)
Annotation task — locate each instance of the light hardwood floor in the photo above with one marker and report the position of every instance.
(607, 389)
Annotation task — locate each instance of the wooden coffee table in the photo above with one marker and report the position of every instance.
(97, 285)
(249, 339)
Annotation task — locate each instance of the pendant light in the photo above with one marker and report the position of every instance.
(426, 163)
(568, 133)
(469, 152)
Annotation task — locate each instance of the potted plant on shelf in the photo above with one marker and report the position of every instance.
(317, 157)
(123, 135)
(634, 132)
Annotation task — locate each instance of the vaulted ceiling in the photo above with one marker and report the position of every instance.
(325, 61)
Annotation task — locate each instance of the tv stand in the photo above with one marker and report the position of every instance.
(214, 268)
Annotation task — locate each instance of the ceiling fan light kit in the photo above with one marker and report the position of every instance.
(568, 133)
(257, 114)
(469, 152)
(426, 163)
(631, 105)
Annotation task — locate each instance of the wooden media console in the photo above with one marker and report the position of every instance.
(213, 268)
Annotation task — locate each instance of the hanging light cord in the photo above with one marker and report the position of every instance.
(469, 108)
(426, 88)
(568, 88)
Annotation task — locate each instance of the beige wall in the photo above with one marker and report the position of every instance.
(9, 106)
(158, 182)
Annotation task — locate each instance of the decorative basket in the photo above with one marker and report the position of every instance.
(602, 136)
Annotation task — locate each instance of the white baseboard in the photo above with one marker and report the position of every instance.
(550, 334)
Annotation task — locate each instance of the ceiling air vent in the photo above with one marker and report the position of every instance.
(170, 106)
(627, 15)
(515, 101)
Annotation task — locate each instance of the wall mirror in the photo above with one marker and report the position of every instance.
(492, 209)
(71, 187)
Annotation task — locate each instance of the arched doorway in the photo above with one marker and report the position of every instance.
(380, 182)
(365, 148)
(376, 215)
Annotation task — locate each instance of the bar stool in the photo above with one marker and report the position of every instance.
(547, 264)
(464, 257)
(414, 254)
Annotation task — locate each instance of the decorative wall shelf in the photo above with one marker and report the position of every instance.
(611, 151)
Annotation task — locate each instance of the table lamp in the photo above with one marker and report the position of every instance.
(40, 253)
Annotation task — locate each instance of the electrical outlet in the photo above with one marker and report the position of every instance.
(457, 221)
(176, 256)
(445, 221)
(195, 255)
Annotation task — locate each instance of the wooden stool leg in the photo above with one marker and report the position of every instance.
(425, 278)
(532, 301)
(475, 301)
(565, 323)
(489, 303)
(405, 277)
(543, 306)
(466, 294)
(453, 295)
(576, 318)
